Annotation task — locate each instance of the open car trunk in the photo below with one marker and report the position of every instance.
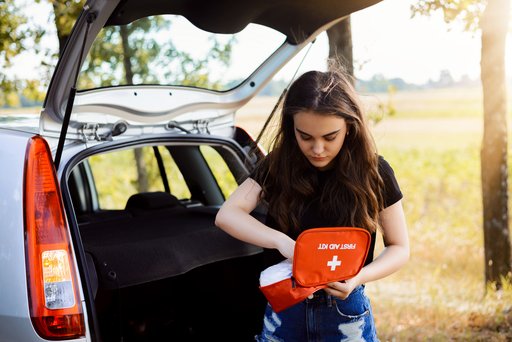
(159, 269)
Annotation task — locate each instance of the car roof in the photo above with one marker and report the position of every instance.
(297, 19)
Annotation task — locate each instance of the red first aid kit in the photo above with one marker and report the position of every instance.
(324, 255)
(321, 256)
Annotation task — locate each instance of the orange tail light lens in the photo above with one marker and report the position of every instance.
(54, 301)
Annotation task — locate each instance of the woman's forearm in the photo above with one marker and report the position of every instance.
(389, 261)
(396, 239)
(243, 226)
(235, 219)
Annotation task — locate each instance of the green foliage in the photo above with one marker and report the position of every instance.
(194, 72)
(13, 32)
(468, 12)
(65, 14)
(132, 55)
(114, 187)
(106, 66)
(176, 181)
(15, 37)
(220, 170)
(383, 109)
(32, 90)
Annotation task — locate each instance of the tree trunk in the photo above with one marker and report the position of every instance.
(494, 167)
(61, 36)
(127, 54)
(340, 45)
(142, 174)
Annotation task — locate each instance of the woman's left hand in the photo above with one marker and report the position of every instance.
(342, 289)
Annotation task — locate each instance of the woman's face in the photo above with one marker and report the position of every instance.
(320, 137)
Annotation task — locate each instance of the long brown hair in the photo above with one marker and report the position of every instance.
(287, 178)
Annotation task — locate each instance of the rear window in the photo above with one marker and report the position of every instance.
(220, 170)
(118, 175)
(196, 170)
(169, 50)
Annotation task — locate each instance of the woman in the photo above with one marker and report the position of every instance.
(323, 171)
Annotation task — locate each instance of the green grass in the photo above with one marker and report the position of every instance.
(432, 103)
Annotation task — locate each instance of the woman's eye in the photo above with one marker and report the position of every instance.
(330, 138)
(305, 137)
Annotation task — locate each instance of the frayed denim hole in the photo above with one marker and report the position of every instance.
(269, 338)
(353, 330)
(351, 317)
(271, 322)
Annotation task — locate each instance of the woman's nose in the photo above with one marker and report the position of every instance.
(318, 147)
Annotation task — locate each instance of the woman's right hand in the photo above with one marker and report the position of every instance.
(286, 246)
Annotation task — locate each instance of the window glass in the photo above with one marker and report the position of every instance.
(118, 175)
(115, 176)
(220, 170)
(169, 50)
(176, 181)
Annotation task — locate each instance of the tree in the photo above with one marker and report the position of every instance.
(494, 150)
(65, 14)
(340, 50)
(492, 20)
(15, 37)
(340, 44)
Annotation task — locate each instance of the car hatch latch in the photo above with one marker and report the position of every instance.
(95, 132)
(201, 126)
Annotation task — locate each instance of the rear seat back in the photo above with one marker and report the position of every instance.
(147, 202)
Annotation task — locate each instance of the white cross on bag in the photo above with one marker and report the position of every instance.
(334, 263)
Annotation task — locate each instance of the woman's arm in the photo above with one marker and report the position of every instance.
(392, 258)
(235, 219)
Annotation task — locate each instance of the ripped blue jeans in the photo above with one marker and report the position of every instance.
(322, 318)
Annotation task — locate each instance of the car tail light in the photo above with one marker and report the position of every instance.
(55, 308)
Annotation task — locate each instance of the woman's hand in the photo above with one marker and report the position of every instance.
(342, 289)
(286, 246)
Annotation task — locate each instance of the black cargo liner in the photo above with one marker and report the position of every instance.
(155, 238)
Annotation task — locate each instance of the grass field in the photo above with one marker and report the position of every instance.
(433, 143)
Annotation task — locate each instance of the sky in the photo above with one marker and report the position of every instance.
(386, 41)
(389, 42)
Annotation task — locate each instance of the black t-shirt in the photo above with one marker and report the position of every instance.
(313, 218)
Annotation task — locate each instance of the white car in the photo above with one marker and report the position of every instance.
(108, 205)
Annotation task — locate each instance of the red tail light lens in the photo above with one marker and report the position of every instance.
(54, 301)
